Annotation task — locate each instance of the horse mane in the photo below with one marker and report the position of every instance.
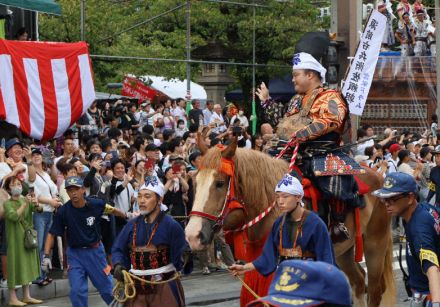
(256, 175)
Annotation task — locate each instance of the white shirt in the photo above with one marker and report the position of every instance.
(360, 149)
(405, 168)
(207, 116)
(243, 120)
(123, 200)
(180, 113)
(44, 186)
(218, 119)
(392, 165)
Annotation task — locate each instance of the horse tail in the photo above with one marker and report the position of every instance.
(389, 296)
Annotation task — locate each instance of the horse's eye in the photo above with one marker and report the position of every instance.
(219, 184)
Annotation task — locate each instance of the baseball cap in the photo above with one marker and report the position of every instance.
(36, 150)
(12, 142)
(394, 148)
(307, 283)
(151, 147)
(396, 183)
(74, 181)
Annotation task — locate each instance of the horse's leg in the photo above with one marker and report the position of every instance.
(378, 257)
(355, 274)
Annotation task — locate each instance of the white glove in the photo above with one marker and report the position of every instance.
(46, 264)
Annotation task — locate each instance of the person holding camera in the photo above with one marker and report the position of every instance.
(47, 194)
(22, 262)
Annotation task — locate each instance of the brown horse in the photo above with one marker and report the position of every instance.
(256, 175)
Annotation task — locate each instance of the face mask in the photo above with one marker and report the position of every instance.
(240, 113)
(181, 126)
(16, 191)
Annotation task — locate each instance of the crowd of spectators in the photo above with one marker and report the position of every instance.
(404, 151)
(117, 147)
(410, 25)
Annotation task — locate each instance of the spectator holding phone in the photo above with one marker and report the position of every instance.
(47, 194)
(121, 191)
(175, 188)
(23, 263)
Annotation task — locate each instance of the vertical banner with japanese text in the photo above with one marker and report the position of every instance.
(359, 78)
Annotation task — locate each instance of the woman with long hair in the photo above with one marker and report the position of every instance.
(46, 192)
(257, 142)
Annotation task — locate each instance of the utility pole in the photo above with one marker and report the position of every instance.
(188, 55)
(82, 23)
(437, 53)
(254, 112)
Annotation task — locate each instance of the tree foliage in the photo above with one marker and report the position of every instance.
(278, 24)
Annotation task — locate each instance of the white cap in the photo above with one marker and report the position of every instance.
(153, 184)
(291, 185)
(304, 60)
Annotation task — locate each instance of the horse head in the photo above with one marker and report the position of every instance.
(212, 185)
(233, 186)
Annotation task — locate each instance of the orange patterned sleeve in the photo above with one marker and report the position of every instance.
(327, 113)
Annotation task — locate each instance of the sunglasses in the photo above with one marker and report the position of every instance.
(393, 200)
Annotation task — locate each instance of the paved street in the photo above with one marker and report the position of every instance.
(221, 289)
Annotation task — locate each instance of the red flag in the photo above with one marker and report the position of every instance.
(132, 87)
(44, 87)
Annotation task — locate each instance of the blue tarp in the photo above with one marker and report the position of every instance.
(280, 89)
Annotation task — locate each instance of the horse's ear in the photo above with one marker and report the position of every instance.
(201, 144)
(229, 151)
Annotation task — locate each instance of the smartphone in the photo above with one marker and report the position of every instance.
(149, 164)
(31, 190)
(3, 144)
(176, 168)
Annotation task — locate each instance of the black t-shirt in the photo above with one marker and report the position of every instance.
(195, 116)
(175, 203)
(82, 224)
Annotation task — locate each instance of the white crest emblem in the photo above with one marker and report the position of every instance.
(90, 221)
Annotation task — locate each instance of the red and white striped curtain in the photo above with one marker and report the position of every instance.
(44, 87)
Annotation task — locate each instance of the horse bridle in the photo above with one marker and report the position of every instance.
(227, 168)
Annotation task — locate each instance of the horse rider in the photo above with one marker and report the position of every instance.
(152, 246)
(322, 110)
(297, 234)
(318, 114)
(422, 227)
(307, 284)
(80, 218)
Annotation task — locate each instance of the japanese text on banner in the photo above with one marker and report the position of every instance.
(358, 82)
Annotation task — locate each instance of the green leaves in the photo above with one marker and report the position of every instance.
(278, 27)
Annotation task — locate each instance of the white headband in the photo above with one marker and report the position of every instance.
(291, 185)
(306, 61)
(153, 184)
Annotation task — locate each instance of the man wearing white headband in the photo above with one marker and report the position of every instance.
(297, 234)
(152, 246)
(315, 113)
